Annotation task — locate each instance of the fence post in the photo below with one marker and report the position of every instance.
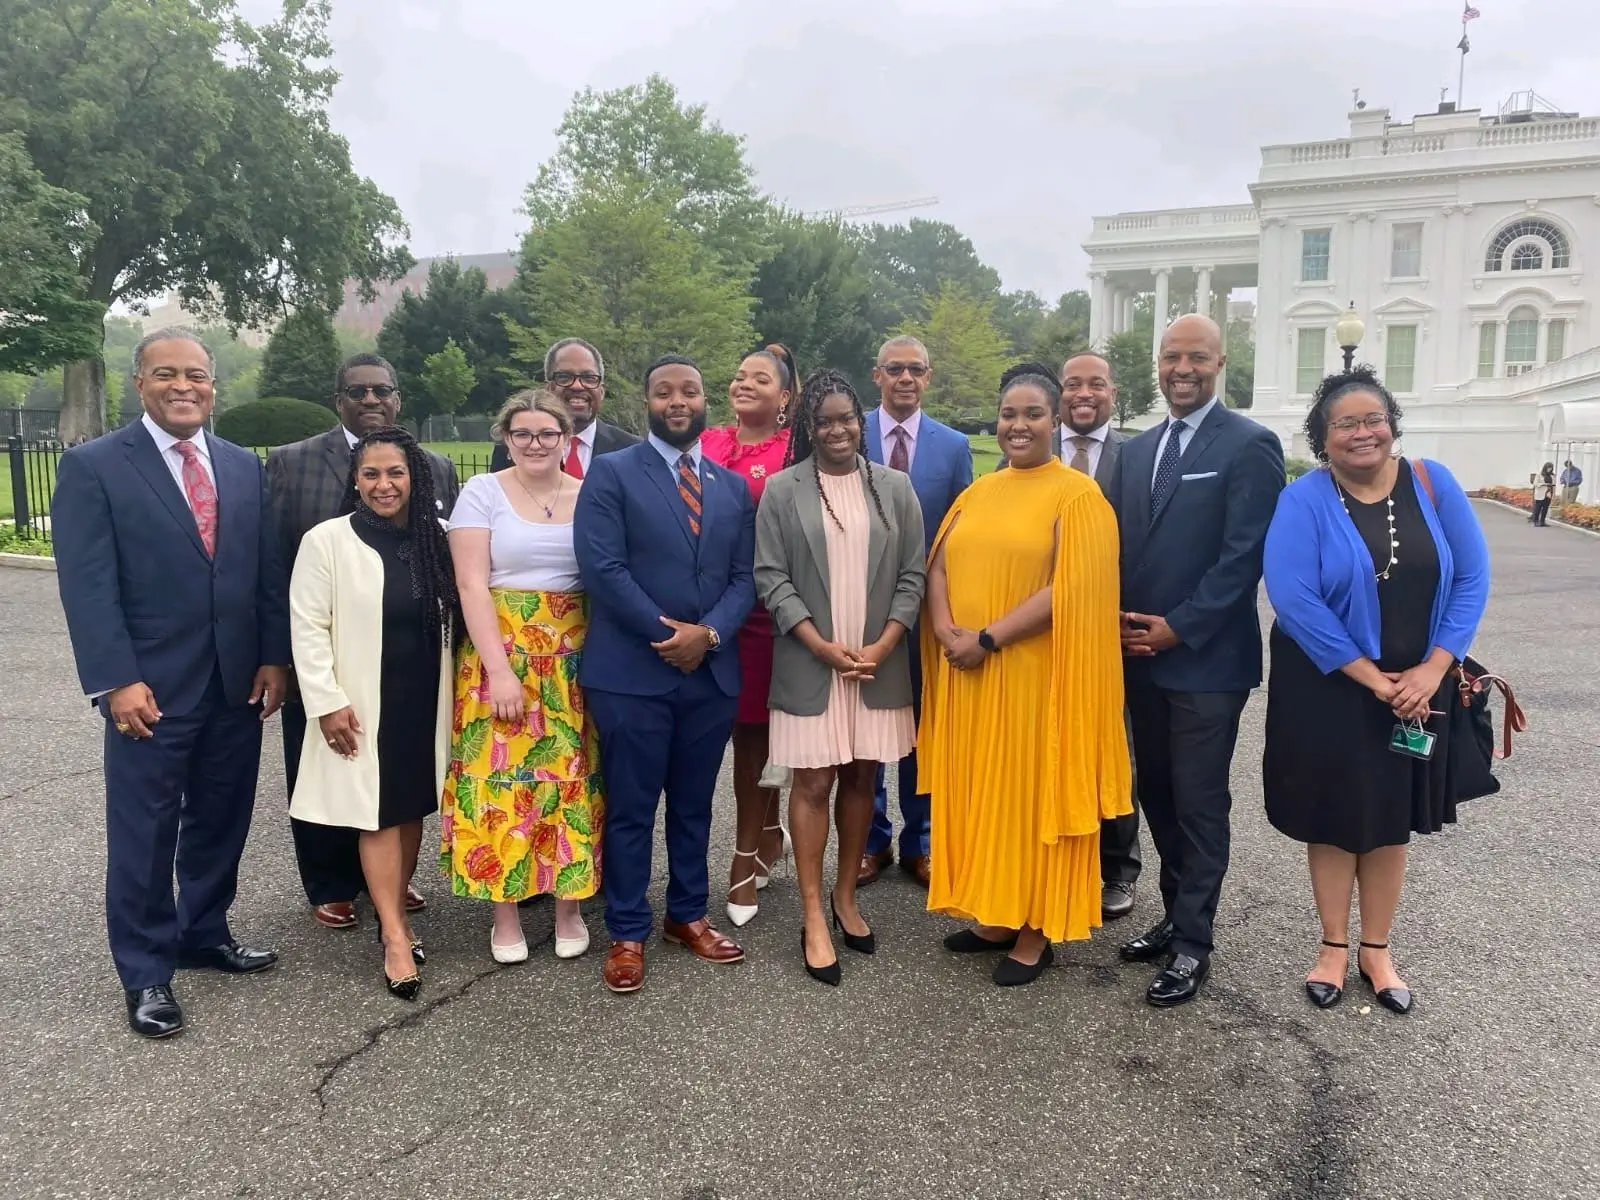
(19, 486)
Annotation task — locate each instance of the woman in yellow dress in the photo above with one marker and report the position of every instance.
(1022, 745)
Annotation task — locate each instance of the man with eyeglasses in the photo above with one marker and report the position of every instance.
(939, 460)
(307, 481)
(575, 374)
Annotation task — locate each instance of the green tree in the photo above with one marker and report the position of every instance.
(620, 269)
(1021, 317)
(13, 391)
(300, 359)
(448, 378)
(1240, 373)
(457, 306)
(911, 263)
(45, 318)
(644, 136)
(813, 295)
(201, 148)
(967, 353)
(1129, 356)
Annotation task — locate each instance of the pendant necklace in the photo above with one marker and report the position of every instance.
(548, 509)
(1394, 542)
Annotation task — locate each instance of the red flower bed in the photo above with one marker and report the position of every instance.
(1582, 516)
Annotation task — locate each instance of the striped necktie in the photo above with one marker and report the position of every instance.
(689, 489)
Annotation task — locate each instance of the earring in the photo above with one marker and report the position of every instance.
(1323, 458)
(783, 416)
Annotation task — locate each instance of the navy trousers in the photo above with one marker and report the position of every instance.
(915, 807)
(650, 745)
(180, 799)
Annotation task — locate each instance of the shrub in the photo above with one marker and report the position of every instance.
(1296, 467)
(274, 421)
(1583, 516)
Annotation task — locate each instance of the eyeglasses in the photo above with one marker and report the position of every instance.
(1373, 421)
(358, 391)
(523, 438)
(588, 379)
(896, 369)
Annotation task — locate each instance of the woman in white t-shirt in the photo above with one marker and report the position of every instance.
(523, 802)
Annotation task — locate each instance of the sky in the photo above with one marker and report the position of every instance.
(1025, 117)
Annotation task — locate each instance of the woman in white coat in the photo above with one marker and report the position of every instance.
(373, 609)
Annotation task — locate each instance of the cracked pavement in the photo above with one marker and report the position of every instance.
(917, 1078)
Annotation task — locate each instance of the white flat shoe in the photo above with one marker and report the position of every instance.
(573, 947)
(514, 953)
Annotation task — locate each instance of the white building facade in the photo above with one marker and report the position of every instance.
(1468, 244)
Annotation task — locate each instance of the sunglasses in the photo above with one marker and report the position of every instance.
(896, 369)
(588, 379)
(382, 391)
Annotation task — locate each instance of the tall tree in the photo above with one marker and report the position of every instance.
(301, 358)
(222, 181)
(645, 136)
(911, 263)
(1129, 356)
(457, 306)
(967, 354)
(813, 295)
(1021, 317)
(448, 378)
(622, 272)
(1239, 376)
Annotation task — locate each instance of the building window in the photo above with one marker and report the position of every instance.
(1400, 359)
(1531, 254)
(1310, 360)
(1487, 333)
(1405, 256)
(1314, 247)
(1556, 342)
(1522, 341)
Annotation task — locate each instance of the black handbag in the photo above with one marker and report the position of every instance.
(1472, 733)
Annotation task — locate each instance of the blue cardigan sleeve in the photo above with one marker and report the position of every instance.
(1293, 574)
(1468, 593)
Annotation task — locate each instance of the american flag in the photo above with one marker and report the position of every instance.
(1469, 14)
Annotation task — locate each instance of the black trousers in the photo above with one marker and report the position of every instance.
(1183, 747)
(329, 857)
(1541, 510)
(1120, 857)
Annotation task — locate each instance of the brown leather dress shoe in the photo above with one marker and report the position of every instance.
(415, 900)
(917, 868)
(340, 914)
(624, 969)
(702, 941)
(872, 866)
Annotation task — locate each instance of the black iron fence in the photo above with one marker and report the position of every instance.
(27, 481)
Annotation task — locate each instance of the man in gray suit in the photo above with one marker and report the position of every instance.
(306, 482)
(1089, 444)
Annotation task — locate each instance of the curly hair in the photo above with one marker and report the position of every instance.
(1036, 375)
(426, 549)
(1360, 378)
(668, 360)
(818, 387)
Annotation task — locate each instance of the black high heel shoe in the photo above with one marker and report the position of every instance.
(1396, 999)
(865, 943)
(1326, 995)
(830, 975)
(418, 954)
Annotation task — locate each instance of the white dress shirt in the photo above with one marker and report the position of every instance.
(911, 425)
(671, 454)
(351, 439)
(584, 441)
(1097, 443)
(1185, 433)
(166, 443)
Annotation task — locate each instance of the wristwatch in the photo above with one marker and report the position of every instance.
(987, 641)
(713, 637)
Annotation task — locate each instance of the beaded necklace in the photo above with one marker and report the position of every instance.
(1394, 542)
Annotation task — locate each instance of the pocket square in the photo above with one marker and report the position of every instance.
(1201, 475)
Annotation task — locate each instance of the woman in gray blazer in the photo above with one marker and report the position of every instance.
(839, 565)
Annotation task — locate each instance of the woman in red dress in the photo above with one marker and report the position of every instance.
(755, 446)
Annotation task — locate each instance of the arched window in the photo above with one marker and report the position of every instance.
(1522, 340)
(1534, 244)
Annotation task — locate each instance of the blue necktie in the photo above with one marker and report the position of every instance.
(1167, 470)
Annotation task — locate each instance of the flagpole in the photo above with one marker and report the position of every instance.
(1461, 79)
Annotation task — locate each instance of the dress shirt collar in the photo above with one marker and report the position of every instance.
(586, 434)
(1194, 419)
(671, 453)
(350, 439)
(911, 424)
(1094, 435)
(165, 441)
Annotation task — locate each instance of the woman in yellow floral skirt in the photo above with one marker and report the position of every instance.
(523, 804)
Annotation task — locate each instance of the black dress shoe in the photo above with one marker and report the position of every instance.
(1008, 972)
(406, 988)
(1116, 899)
(1396, 999)
(153, 1012)
(1148, 947)
(861, 943)
(230, 957)
(969, 941)
(1326, 995)
(831, 974)
(1180, 982)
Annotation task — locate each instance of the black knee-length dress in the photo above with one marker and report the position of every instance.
(1328, 773)
(408, 688)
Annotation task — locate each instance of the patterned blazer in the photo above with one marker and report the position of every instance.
(306, 481)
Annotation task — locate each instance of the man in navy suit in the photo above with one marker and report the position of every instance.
(169, 570)
(1193, 498)
(939, 460)
(666, 546)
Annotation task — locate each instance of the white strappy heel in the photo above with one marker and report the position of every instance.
(764, 872)
(742, 914)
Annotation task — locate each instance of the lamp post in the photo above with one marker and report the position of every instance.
(1349, 331)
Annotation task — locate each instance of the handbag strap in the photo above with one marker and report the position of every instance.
(1419, 468)
(1512, 719)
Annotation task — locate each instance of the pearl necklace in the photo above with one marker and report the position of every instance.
(1394, 542)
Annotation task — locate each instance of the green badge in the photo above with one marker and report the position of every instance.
(1412, 740)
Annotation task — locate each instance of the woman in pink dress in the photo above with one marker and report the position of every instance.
(755, 446)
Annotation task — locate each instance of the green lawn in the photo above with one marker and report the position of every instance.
(34, 492)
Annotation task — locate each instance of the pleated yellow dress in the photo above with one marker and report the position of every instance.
(1026, 754)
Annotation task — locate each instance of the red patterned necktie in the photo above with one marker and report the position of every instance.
(573, 465)
(201, 494)
(899, 457)
(689, 489)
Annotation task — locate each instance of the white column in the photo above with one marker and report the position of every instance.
(1163, 279)
(1099, 305)
(1500, 347)
(1541, 354)
(1202, 291)
(1127, 311)
(1113, 311)
(1222, 375)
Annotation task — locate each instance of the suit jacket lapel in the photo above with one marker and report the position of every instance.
(147, 461)
(660, 474)
(231, 487)
(1109, 453)
(874, 447)
(1140, 467)
(1198, 441)
(877, 536)
(336, 456)
(808, 503)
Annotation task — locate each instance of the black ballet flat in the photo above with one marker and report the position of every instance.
(865, 943)
(969, 941)
(1326, 995)
(831, 975)
(1008, 972)
(418, 954)
(1397, 1000)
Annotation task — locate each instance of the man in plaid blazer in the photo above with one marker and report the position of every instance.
(307, 482)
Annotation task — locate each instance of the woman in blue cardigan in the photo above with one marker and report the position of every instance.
(1378, 587)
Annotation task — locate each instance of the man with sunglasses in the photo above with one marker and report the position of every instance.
(939, 460)
(575, 374)
(307, 481)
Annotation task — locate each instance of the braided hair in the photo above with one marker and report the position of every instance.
(818, 387)
(1037, 375)
(424, 547)
(1360, 378)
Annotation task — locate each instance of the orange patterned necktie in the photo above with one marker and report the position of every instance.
(689, 489)
(201, 494)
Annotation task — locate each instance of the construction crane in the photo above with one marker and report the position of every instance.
(872, 210)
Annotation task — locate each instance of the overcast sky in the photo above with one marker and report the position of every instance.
(1025, 117)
